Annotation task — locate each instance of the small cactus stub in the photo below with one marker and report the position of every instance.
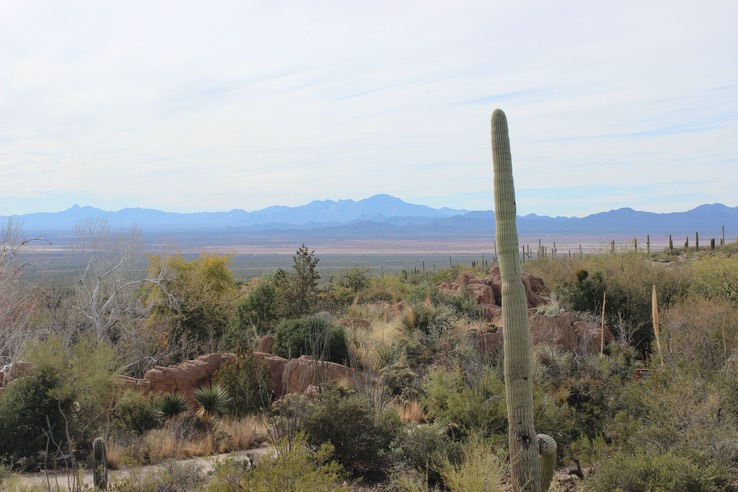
(100, 464)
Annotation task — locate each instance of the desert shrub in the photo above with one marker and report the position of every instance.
(134, 412)
(422, 447)
(399, 379)
(87, 374)
(716, 277)
(699, 332)
(248, 383)
(480, 470)
(426, 319)
(627, 278)
(648, 471)
(294, 468)
(31, 410)
(311, 335)
(464, 305)
(260, 309)
(360, 436)
(474, 398)
(355, 278)
(172, 476)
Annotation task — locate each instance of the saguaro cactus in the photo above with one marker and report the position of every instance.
(100, 464)
(525, 444)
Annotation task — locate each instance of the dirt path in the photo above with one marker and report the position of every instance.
(61, 480)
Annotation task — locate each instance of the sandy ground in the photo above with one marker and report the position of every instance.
(61, 481)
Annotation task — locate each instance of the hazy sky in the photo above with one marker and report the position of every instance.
(209, 106)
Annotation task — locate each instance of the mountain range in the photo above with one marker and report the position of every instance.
(382, 216)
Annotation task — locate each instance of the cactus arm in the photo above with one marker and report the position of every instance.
(523, 441)
(547, 451)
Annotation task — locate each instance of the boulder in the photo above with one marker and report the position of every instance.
(304, 371)
(265, 344)
(184, 378)
(487, 343)
(568, 332)
(276, 366)
(488, 290)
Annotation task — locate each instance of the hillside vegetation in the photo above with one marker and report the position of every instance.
(431, 414)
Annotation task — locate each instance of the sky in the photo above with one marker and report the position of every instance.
(191, 106)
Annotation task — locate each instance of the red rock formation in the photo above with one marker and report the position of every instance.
(305, 371)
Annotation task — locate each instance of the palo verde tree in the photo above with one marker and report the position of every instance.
(525, 445)
(192, 302)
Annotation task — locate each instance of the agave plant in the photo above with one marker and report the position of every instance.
(171, 405)
(213, 402)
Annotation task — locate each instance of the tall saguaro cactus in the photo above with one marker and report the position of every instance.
(525, 444)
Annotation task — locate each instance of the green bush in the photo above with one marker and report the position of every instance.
(358, 434)
(480, 470)
(422, 447)
(311, 335)
(172, 476)
(30, 410)
(134, 412)
(474, 398)
(294, 468)
(646, 471)
(248, 382)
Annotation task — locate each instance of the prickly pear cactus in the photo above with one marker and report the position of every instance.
(525, 444)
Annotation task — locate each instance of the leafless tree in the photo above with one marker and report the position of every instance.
(107, 284)
(17, 301)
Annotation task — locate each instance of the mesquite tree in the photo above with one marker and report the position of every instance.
(525, 445)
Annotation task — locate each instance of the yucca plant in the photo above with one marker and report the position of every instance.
(213, 402)
(172, 405)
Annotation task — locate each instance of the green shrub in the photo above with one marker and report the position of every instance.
(172, 476)
(480, 470)
(359, 436)
(30, 409)
(134, 412)
(646, 471)
(311, 335)
(473, 398)
(422, 447)
(248, 382)
(294, 468)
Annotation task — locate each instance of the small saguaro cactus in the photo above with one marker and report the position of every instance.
(525, 444)
(100, 464)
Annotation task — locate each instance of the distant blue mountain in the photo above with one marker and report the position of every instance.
(383, 216)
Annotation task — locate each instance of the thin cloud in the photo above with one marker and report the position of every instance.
(194, 106)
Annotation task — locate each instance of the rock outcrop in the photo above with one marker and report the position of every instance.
(286, 376)
(567, 331)
(487, 291)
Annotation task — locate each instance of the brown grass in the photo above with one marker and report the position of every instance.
(412, 412)
(244, 433)
(114, 455)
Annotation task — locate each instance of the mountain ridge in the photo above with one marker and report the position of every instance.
(386, 216)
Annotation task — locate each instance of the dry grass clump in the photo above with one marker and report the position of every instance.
(243, 433)
(176, 441)
(412, 411)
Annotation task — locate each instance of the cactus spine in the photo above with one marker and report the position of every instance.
(100, 464)
(525, 445)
